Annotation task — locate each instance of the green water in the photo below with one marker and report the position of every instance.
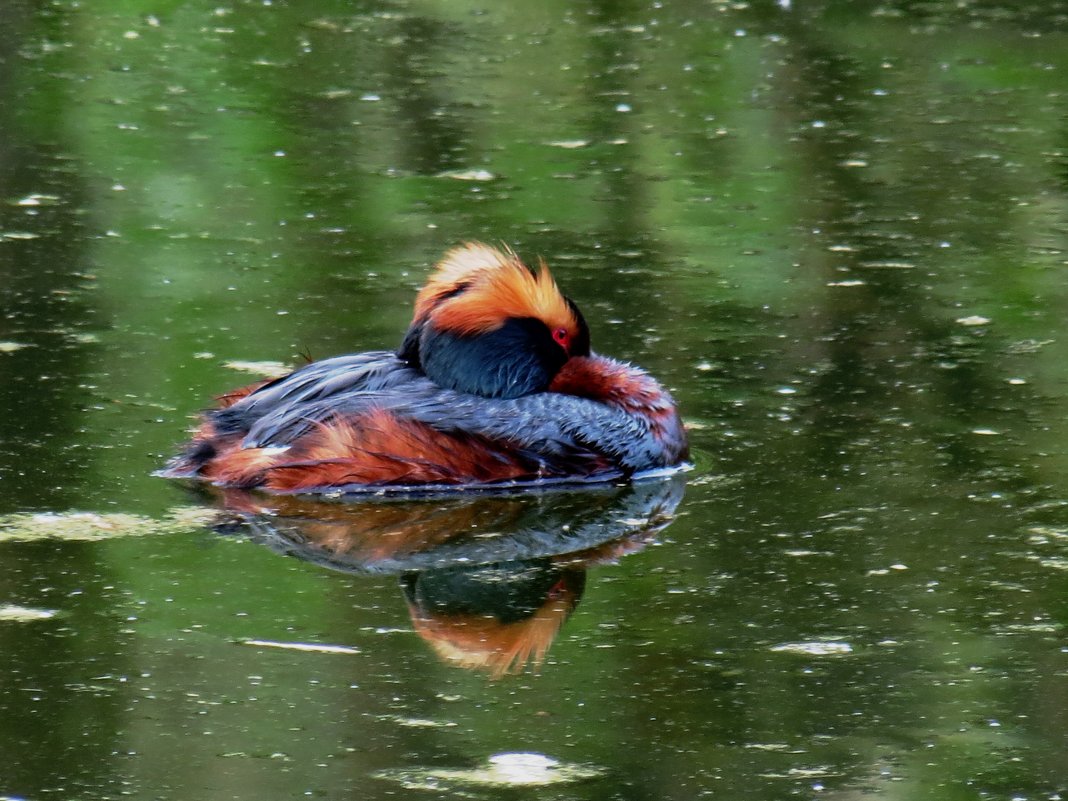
(837, 230)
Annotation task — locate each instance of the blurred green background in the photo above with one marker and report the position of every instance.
(838, 232)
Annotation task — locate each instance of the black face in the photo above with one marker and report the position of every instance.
(517, 359)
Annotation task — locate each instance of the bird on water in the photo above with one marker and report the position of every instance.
(493, 385)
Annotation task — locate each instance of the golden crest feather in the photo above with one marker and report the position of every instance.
(475, 288)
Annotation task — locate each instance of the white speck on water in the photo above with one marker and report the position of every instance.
(1017, 381)
(37, 200)
(522, 768)
(309, 647)
(814, 648)
(468, 175)
(888, 265)
(973, 319)
(786, 391)
(623, 108)
(985, 432)
(518, 769)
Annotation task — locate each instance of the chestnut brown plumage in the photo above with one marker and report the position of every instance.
(494, 383)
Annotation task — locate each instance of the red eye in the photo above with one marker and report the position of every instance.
(561, 337)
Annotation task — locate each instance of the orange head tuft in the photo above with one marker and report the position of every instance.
(475, 288)
(484, 311)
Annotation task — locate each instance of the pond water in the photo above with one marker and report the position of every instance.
(839, 233)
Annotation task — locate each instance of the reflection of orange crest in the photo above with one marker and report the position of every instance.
(484, 643)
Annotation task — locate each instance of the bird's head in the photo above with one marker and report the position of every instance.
(487, 324)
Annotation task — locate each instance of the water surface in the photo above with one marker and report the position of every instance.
(837, 231)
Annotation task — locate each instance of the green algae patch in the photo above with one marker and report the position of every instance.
(93, 526)
(10, 613)
(265, 369)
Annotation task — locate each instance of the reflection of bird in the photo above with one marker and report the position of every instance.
(497, 618)
(494, 383)
(489, 578)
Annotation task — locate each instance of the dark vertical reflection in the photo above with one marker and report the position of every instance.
(13, 18)
(42, 239)
(610, 87)
(616, 105)
(59, 716)
(897, 386)
(429, 128)
(889, 351)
